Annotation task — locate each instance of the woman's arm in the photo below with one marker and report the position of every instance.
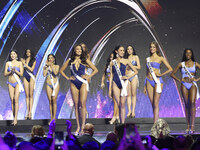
(133, 68)
(30, 68)
(21, 71)
(110, 81)
(174, 72)
(169, 68)
(91, 65)
(6, 73)
(55, 69)
(197, 66)
(65, 65)
(45, 70)
(138, 63)
(102, 80)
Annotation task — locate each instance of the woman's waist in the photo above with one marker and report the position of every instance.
(12, 79)
(149, 76)
(128, 72)
(49, 80)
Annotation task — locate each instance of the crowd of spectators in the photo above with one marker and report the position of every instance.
(124, 137)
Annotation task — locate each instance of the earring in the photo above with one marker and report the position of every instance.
(117, 55)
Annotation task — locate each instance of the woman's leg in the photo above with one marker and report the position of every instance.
(75, 97)
(185, 94)
(150, 91)
(123, 110)
(32, 83)
(193, 93)
(55, 102)
(129, 99)
(156, 100)
(26, 88)
(49, 93)
(116, 95)
(83, 99)
(16, 103)
(116, 112)
(134, 84)
(11, 93)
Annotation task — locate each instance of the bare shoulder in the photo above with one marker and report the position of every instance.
(197, 64)
(19, 62)
(126, 60)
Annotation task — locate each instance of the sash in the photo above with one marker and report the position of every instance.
(190, 76)
(21, 89)
(158, 89)
(79, 78)
(123, 83)
(31, 75)
(52, 83)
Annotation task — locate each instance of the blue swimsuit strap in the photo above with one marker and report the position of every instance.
(17, 68)
(155, 65)
(134, 62)
(190, 69)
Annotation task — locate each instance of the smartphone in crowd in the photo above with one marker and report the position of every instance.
(59, 139)
(130, 131)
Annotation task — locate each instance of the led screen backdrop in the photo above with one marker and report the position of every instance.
(54, 26)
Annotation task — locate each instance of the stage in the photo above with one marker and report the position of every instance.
(102, 126)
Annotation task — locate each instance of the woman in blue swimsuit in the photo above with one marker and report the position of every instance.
(152, 86)
(14, 69)
(107, 74)
(118, 80)
(79, 81)
(29, 63)
(51, 71)
(130, 54)
(188, 86)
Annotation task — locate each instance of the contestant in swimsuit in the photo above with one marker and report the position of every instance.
(29, 63)
(14, 69)
(51, 71)
(107, 73)
(118, 80)
(151, 87)
(188, 87)
(130, 54)
(87, 70)
(79, 82)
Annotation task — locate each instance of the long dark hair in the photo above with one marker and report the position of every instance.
(184, 53)
(10, 59)
(53, 57)
(126, 52)
(116, 49)
(157, 48)
(83, 55)
(86, 49)
(32, 60)
(108, 62)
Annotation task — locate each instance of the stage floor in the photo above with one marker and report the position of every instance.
(102, 126)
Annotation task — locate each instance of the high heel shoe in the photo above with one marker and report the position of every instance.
(129, 115)
(26, 117)
(132, 116)
(30, 117)
(118, 120)
(187, 131)
(113, 120)
(192, 131)
(87, 114)
(77, 132)
(14, 123)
